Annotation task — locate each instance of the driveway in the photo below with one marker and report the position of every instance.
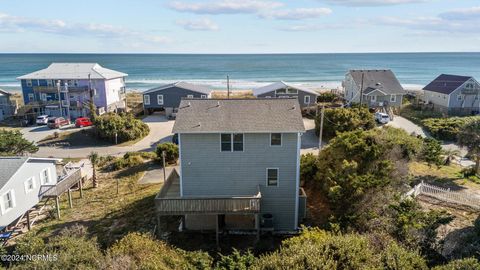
(160, 131)
(37, 133)
(309, 139)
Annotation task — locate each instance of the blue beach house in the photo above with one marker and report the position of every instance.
(65, 89)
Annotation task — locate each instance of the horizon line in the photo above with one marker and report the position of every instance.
(277, 53)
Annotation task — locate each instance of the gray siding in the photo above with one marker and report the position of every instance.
(384, 99)
(301, 97)
(23, 200)
(171, 97)
(470, 100)
(207, 171)
(6, 106)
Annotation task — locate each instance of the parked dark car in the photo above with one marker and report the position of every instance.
(83, 122)
(57, 122)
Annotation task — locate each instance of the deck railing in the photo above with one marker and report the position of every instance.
(446, 195)
(66, 182)
(54, 89)
(212, 205)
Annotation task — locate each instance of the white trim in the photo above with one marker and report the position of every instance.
(203, 96)
(305, 99)
(231, 141)
(189, 96)
(376, 89)
(278, 177)
(158, 100)
(281, 139)
(3, 208)
(27, 190)
(373, 98)
(42, 177)
(297, 182)
(145, 99)
(393, 98)
(29, 83)
(180, 162)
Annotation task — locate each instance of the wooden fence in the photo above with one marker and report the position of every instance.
(446, 195)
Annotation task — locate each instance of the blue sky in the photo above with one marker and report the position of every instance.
(239, 26)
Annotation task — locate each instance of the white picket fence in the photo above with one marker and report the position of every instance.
(446, 195)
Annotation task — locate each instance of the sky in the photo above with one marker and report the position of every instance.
(239, 26)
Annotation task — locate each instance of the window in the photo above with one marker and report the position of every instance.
(281, 91)
(292, 91)
(31, 97)
(275, 139)
(393, 98)
(203, 96)
(226, 142)
(43, 96)
(469, 86)
(189, 96)
(29, 185)
(272, 177)
(237, 142)
(75, 82)
(231, 142)
(306, 99)
(29, 83)
(146, 99)
(160, 99)
(45, 176)
(460, 97)
(49, 83)
(373, 98)
(268, 97)
(8, 201)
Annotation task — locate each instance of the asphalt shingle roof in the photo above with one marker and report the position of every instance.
(446, 83)
(383, 80)
(184, 85)
(8, 167)
(260, 115)
(74, 71)
(280, 85)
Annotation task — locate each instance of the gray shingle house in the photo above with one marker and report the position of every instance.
(7, 108)
(376, 88)
(168, 97)
(239, 166)
(454, 94)
(306, 97)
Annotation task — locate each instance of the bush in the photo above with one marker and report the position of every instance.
(12, 143)
(344, 119)
(327, 97)
(447, 128)
(128, 162)
(432, 152)
(144, 155)
(171, 152)
(463, 264)
(308, 167)
(236, 261)
(126, 126)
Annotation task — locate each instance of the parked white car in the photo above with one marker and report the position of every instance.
(42, 119)
(382, 118)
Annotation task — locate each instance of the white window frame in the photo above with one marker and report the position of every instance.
(4, 208)
(31, 97)
(42, 177)
(203, 96)
(231, 142)
(43, 96)
(281, 139)
(305, 99)
(292, 91)
(189, 96)
(393, 98)
(49, 83)
(27, 185)
(146, 99)
(29, 83)
(75, 82)
(459, 97)
(160, 100)
(373, 98)
(278, 177)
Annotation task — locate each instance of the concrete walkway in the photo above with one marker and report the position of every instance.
(309, 139)
(154, 175)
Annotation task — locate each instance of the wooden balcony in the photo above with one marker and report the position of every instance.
(169, 202)
(64, 183)
(54, 89)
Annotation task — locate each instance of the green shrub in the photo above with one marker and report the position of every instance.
(171, 152)
(236, 261)
(144, 155)
(344, 119)
(128, 162)
(126, 126)
(432, 152)
(308, 167)
(327, 97)
(447, 128)
(463, 264)
(12, 143)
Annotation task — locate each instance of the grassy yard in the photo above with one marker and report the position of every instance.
(106, 215)
(233, 94)
(417, 115)
(77, 137)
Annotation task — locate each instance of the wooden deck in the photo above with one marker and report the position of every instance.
(65, 183)
(169, 202)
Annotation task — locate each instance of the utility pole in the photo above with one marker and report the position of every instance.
(361, 88)
(228, 87)
(164, 167)
(320, 135)
(59, 98)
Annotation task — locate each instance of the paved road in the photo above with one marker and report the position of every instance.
(160, 131)
(37, 133)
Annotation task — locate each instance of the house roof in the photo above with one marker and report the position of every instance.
(5, 92)
(184, 85)
(383, 80)
(446, 83)
(10, 165)
(280, 85)
(74, 71)
(261, 115)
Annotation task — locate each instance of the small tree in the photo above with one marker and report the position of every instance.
(12, 143)
(469, 137)
(432, 152)
(94, 158)
(171, 152)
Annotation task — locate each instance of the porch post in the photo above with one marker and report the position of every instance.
(81, 188)
(57, 204)
(28, 220)
(70, 198)
(257, 225)
(158, 225)
(217, 236)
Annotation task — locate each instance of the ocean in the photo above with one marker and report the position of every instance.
(247, 71)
